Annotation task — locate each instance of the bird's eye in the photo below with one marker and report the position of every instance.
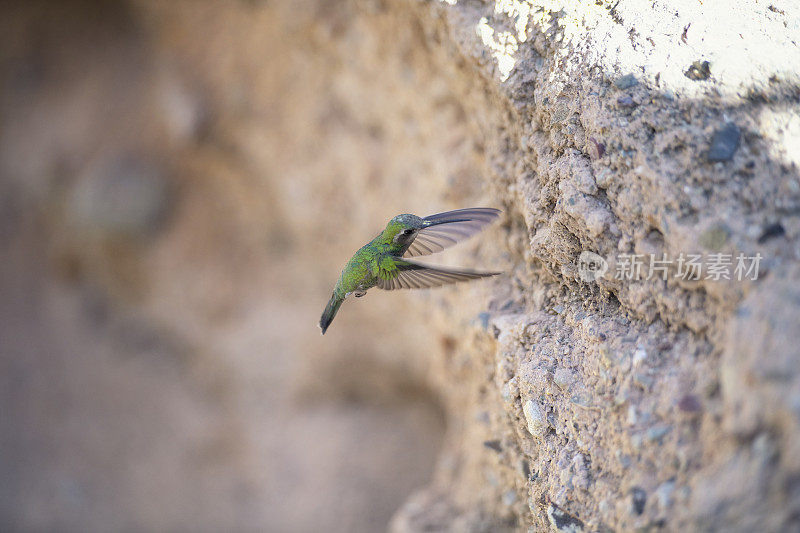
(408, 231)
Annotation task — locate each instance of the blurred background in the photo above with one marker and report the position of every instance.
(180, 185)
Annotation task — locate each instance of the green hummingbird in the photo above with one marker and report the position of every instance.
(382, 262)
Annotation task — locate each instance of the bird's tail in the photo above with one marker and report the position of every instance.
(330, 311)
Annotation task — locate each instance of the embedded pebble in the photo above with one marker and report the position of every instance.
(724, 143)
(595, 148)
(638, 500)
(581, 400)
(689, 403)
(624, 460)
(525, 470)
(657, 433)
(603, 178)
(639, 356)
(622, 397)
(510, 391)
(581, 477)
(764, 449)
(563, 377)
(771, 231)
(604, 507)
(535, 418)
(582, 174)
(664, 494)
(493, 445)
(698, 71)
(625, 101)
(632, 415)
(561, 521)
(643, 380)
(592, 213)
(626, 82)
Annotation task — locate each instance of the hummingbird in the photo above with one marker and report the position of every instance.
(383, 262)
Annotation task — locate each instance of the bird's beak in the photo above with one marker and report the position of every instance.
(429, 223)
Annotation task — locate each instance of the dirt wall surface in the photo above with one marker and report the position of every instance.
(182, 181)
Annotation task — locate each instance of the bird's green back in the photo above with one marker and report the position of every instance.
(362, 271)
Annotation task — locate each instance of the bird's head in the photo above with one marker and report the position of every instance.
(402, 229)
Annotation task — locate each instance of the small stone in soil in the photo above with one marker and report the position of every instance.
(773, 230)
(493, 445)
(698, 71)
(626, 82)
(724, 143)
(638, 500)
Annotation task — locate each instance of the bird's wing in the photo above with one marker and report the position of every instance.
(446, 229)
(398, 273)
